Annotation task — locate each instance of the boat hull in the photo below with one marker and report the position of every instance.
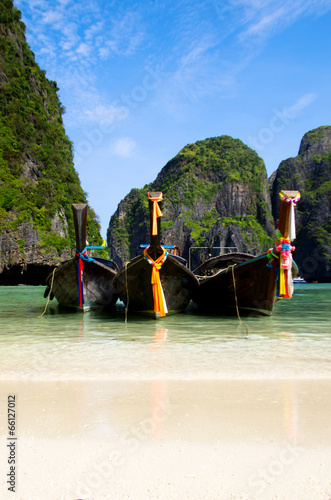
(249, 286)
(133, 283)
(98, 289)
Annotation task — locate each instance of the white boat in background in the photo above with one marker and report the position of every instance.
(298, 279)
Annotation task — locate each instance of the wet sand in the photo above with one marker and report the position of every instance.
(167, 439)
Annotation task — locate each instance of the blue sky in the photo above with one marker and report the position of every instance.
(140, 80)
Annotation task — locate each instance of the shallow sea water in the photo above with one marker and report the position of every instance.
(295, 342)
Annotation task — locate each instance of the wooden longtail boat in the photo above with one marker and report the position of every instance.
(155, 283)
(239, 281)
(83, 282)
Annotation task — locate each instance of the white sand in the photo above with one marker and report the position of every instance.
(258, 439)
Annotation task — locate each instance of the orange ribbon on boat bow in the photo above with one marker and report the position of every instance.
(160, 304)
(156, 212)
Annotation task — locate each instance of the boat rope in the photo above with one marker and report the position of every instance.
(219, 271)
(235, 296)
(156, 212)
(49, 295)
(160, 304)
(127, 291)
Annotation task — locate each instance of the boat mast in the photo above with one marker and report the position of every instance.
(79, 211)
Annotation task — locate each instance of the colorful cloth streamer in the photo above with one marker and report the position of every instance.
(160, 304)
(83, 257)
(282, 251)
(293, 201)
(285, 264)
(156, 212)
(290, 200)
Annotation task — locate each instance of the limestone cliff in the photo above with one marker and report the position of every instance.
(310, 172)
(215, 195)
(38, 182)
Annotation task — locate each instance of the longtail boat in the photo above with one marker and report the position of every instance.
(155, 283)
(235, 282)
(83, 282)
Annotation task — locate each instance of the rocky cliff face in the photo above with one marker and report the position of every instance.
(24, 259)
(310, 172)
(38, 182)
(215, 195)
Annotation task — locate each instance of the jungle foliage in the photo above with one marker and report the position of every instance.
(37, 174)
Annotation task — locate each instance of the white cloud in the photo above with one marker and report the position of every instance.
(51, 17)
(105, 114)
(93, 30)
(266, 23)
(299, 105)
(261, 20)
(84, 49)
(126, 34)
(69, 38)
(123, 147)
(104, 52)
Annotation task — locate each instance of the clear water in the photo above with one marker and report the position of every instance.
(295, 342)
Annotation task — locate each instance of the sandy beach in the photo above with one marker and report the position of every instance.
(167, 439)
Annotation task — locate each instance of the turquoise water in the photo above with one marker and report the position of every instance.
(295, 342)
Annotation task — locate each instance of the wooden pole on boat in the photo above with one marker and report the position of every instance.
(80, 220)
(154, 218)
(286, 201)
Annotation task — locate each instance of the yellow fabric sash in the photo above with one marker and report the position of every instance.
(158, 295)
(156, 212)
(285, 280)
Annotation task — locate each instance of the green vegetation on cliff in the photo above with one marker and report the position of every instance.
(37, 176)
(310, 172)
(215, 194)
(199, 170)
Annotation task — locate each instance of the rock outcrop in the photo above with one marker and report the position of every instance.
(216, 194)
(38, 182)
(310, 172)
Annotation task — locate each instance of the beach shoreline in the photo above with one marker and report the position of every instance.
(167, 439)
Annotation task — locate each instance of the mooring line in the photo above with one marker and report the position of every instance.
(235, 296)
(49, 294)
(127, 291)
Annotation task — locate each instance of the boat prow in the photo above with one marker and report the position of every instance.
(156, 283)
(83, 282)
(235, 282)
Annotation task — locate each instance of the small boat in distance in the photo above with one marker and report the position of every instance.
(155, 283)
(83, 282)
(238, 281)
(299, 279)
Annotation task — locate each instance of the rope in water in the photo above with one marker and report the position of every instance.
(49, 295)
(235, 296)
(127, 291)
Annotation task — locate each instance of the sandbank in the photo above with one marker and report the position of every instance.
(167, 439)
